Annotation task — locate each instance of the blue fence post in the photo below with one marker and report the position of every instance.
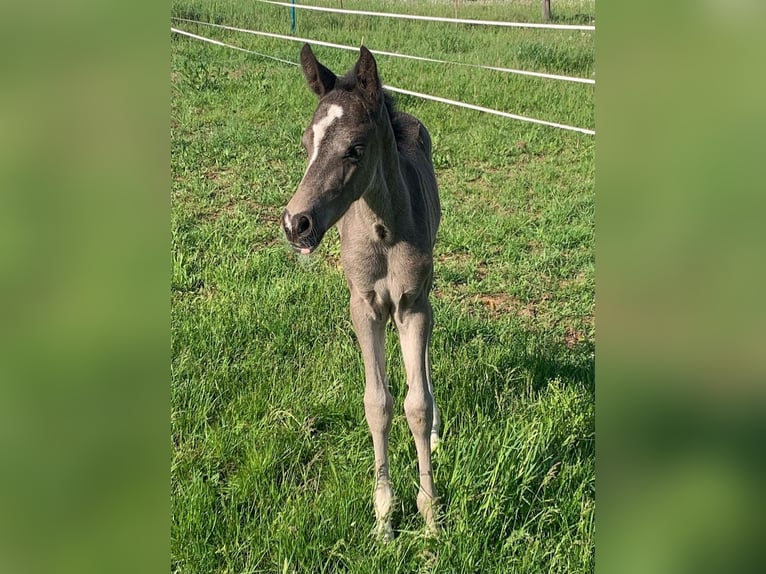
(292, 18)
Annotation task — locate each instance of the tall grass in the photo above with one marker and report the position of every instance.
(272, 465)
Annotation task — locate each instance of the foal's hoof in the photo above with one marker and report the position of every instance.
(432, 530)
(383, 532)
(434, 441)
(428, 507)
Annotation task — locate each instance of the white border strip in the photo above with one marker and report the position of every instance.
(393, 54)
(406, 92)
(435, 18)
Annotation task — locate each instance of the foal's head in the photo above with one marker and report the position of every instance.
(342, 146)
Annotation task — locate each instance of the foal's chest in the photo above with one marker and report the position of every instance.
(385, 274)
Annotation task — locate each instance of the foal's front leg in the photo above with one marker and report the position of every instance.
(370, 328)
(414, 326)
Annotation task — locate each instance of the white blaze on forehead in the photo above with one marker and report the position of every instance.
(320, 128)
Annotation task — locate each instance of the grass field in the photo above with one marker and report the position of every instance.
(272, 463)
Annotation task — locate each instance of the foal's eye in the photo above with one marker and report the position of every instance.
(354, 153)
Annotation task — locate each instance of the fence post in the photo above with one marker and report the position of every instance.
(547, 10)
(292, 18)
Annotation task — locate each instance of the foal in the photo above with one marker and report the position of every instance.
(370, 171)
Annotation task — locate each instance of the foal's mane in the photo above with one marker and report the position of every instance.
(398, 122)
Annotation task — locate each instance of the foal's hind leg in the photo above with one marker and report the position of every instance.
(436, 419)
(414, 325)
(370, 330)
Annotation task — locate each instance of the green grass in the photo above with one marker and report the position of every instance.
(272, 464)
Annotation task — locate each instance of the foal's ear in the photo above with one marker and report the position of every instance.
(367, 79)
(320, 79)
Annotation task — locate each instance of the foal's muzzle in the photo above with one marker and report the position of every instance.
(300, 231)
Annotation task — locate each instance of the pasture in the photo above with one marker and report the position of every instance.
(272, 462)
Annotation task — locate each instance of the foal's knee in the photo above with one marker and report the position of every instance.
(418, 407)
(378, 408)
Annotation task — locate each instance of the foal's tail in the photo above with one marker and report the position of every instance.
(424, 140)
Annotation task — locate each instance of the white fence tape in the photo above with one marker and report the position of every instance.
(490, 111)
(403, 91)
(225, 45)
(392, 54)
(435, 18)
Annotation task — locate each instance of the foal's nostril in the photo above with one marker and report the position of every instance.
(304, 225)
